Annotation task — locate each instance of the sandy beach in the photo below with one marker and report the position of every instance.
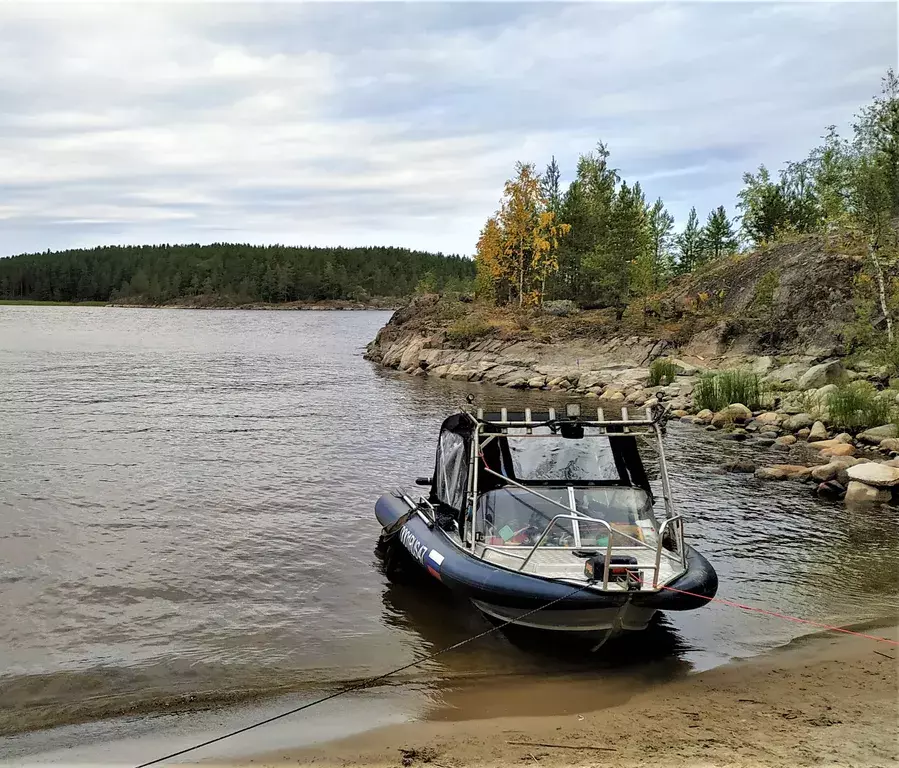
(825, 700)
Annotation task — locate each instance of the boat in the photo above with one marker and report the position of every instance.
(547, 520)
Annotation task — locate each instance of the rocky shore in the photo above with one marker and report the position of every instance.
(860, 467)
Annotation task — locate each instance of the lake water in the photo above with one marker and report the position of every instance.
(186, 522)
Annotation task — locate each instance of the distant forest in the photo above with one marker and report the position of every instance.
(157, 274)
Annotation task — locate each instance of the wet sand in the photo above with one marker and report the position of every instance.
(828, 699)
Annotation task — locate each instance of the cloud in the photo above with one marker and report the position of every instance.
(398, 123)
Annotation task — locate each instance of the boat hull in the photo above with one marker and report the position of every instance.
(505, 595)
(627, 617)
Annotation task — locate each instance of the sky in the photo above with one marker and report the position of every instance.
(398, 123)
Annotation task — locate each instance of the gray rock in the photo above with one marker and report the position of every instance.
(861, 493)
(819, 375)
(818, 432)
(765, 442)
(762, 364)
(537, 382)
(822, 393)
(877, 435)
(736, 413)
(890, 445)
(739, 465)
(705, 416)
(683, 369)
(787, 373)
(561, 308)
(878, 475)
(798, 421)
(783, 472)
(831, 489)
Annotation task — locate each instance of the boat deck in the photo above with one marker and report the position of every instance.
(561, 563)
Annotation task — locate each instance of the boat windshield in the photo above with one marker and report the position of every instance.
(588, 458)
(514, 516)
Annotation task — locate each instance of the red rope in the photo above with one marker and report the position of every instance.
(780, 615)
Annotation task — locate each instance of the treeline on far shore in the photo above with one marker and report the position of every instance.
(156, 274)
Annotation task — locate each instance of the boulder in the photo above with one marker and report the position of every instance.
(787, 373)
(679, 413)
(519, 383)
(786, 440)
(834, 441)
(736, 434)
(614, 395)
(683, 369)
(537, 382)
(871, 473)
(818, 432)
(769, 418)
(832, 489)
(877, 435)
(822, 393)
(783, 472)
(736, 413)
(761, 364)
(797, 422)
(654, 401)
(890, 445)
(803, 433)
(820, 375)
(832, 469)
(739, 465)
(861, 493)
(591, 379)
(765, 442)
(840, 449)
(705, 416)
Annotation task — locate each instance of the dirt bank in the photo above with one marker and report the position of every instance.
(823, 700)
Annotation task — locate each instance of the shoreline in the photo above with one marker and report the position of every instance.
(822, 699)
(290, 306)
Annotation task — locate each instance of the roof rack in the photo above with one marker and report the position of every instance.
(529, 419)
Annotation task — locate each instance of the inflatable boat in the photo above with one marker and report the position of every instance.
(548, 521)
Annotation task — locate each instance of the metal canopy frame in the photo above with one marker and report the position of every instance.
(487, 429)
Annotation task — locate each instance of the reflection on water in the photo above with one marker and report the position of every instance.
(186, 511)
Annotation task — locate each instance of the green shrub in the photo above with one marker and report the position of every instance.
(718, 390)
(888, 356)
(661, 371)
(858, 405)
(466, 330)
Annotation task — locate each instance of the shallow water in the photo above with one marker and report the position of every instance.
(186, 511)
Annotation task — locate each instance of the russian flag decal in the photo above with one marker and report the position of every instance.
(433, 561)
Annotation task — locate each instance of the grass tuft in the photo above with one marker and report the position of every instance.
(718, 390)
(661, 371)
(859, 405)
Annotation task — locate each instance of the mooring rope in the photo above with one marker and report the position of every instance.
(370, 681)
(366, 683)
(775, 614)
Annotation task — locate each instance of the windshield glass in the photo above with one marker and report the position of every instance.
(516, 517)
(513, 516)
(557, 458)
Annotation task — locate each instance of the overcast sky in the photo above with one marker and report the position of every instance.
(397, 124)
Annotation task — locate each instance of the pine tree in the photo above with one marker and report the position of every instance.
(661, 224)
(764, 206)
(718, 234)
(689, 244)
(550, 188)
